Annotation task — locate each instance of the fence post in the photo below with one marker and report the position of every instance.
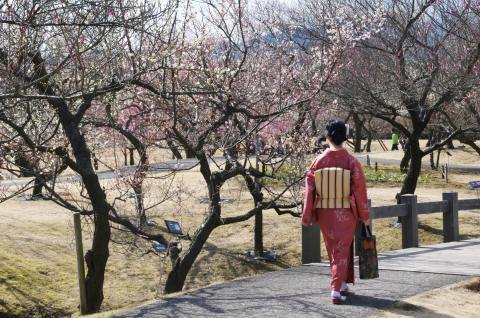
(80, 265)
(450, 217)
(410, 222)
(446, 172)
(311, 244)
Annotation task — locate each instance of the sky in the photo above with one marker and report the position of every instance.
(287, 2)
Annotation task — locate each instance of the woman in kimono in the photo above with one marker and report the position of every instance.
(337, 224)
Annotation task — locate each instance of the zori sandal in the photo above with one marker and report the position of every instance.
(337, 298)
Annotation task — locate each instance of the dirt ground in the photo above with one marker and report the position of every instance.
(37, 255)
(458, 300)
(459, 155)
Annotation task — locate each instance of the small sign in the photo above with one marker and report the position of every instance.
(159, 247)
(151, 223)
(174, 227)
(473, 185)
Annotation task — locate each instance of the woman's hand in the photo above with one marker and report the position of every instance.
(366, 222)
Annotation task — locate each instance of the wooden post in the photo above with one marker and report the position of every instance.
(132, 158)
(446, 172)
(80, 265)
(376, 166)
(311, 244)
(450, 217)
(368, 161)
(410, 222)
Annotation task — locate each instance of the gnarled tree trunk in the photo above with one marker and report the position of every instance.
(176, 278)
(358, 133)
(404, 163)
(174, 150)
(415, 167)
(37, 187)
(470, 142)
(258, 234)
(96, 260)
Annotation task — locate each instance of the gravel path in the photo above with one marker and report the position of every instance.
(304, 291)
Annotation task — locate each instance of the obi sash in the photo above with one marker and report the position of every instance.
(333, 188)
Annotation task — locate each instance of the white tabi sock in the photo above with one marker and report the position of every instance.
(336, 294)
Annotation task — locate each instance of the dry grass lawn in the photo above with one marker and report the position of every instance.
(459, 156)
(37, 257)
(457, 300)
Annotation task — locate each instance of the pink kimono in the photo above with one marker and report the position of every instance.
(337, 225)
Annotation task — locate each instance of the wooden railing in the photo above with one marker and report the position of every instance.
(408, 210)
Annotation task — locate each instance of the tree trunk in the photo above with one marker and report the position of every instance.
(406, 158)
(95, 162)
(431, 141)
(432, 161)
(176, 278)
(410, 181)
(96, 260)
(259, 233)
(368, 146)
(358, 133)
(37, 187)
(139, 206)
(132, 158)
(438, 157)
(450, 144)
(470, 142)
(189, 151)
(313, 126)
(189, 154)
(174, 150)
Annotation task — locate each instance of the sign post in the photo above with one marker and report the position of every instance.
(80, 265)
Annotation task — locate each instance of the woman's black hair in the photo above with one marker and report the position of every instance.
(336, 130)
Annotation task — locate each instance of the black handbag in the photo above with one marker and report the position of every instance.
(367, 254)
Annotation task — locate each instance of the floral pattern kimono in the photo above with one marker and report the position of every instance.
(337, 225)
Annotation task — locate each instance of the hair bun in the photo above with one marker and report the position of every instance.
(336, 130)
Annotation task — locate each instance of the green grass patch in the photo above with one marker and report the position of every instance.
(29, 288)
(391, 176)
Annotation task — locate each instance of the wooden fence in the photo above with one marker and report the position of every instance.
(408, 210)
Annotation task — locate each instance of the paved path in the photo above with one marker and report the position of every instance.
(187, 164)
(304, 292)
(362, 157)
(459, 258)
(454, 258)
(167, 166)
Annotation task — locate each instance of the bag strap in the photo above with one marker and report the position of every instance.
(366, 231)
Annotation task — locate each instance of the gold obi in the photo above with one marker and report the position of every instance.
(333, 188)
